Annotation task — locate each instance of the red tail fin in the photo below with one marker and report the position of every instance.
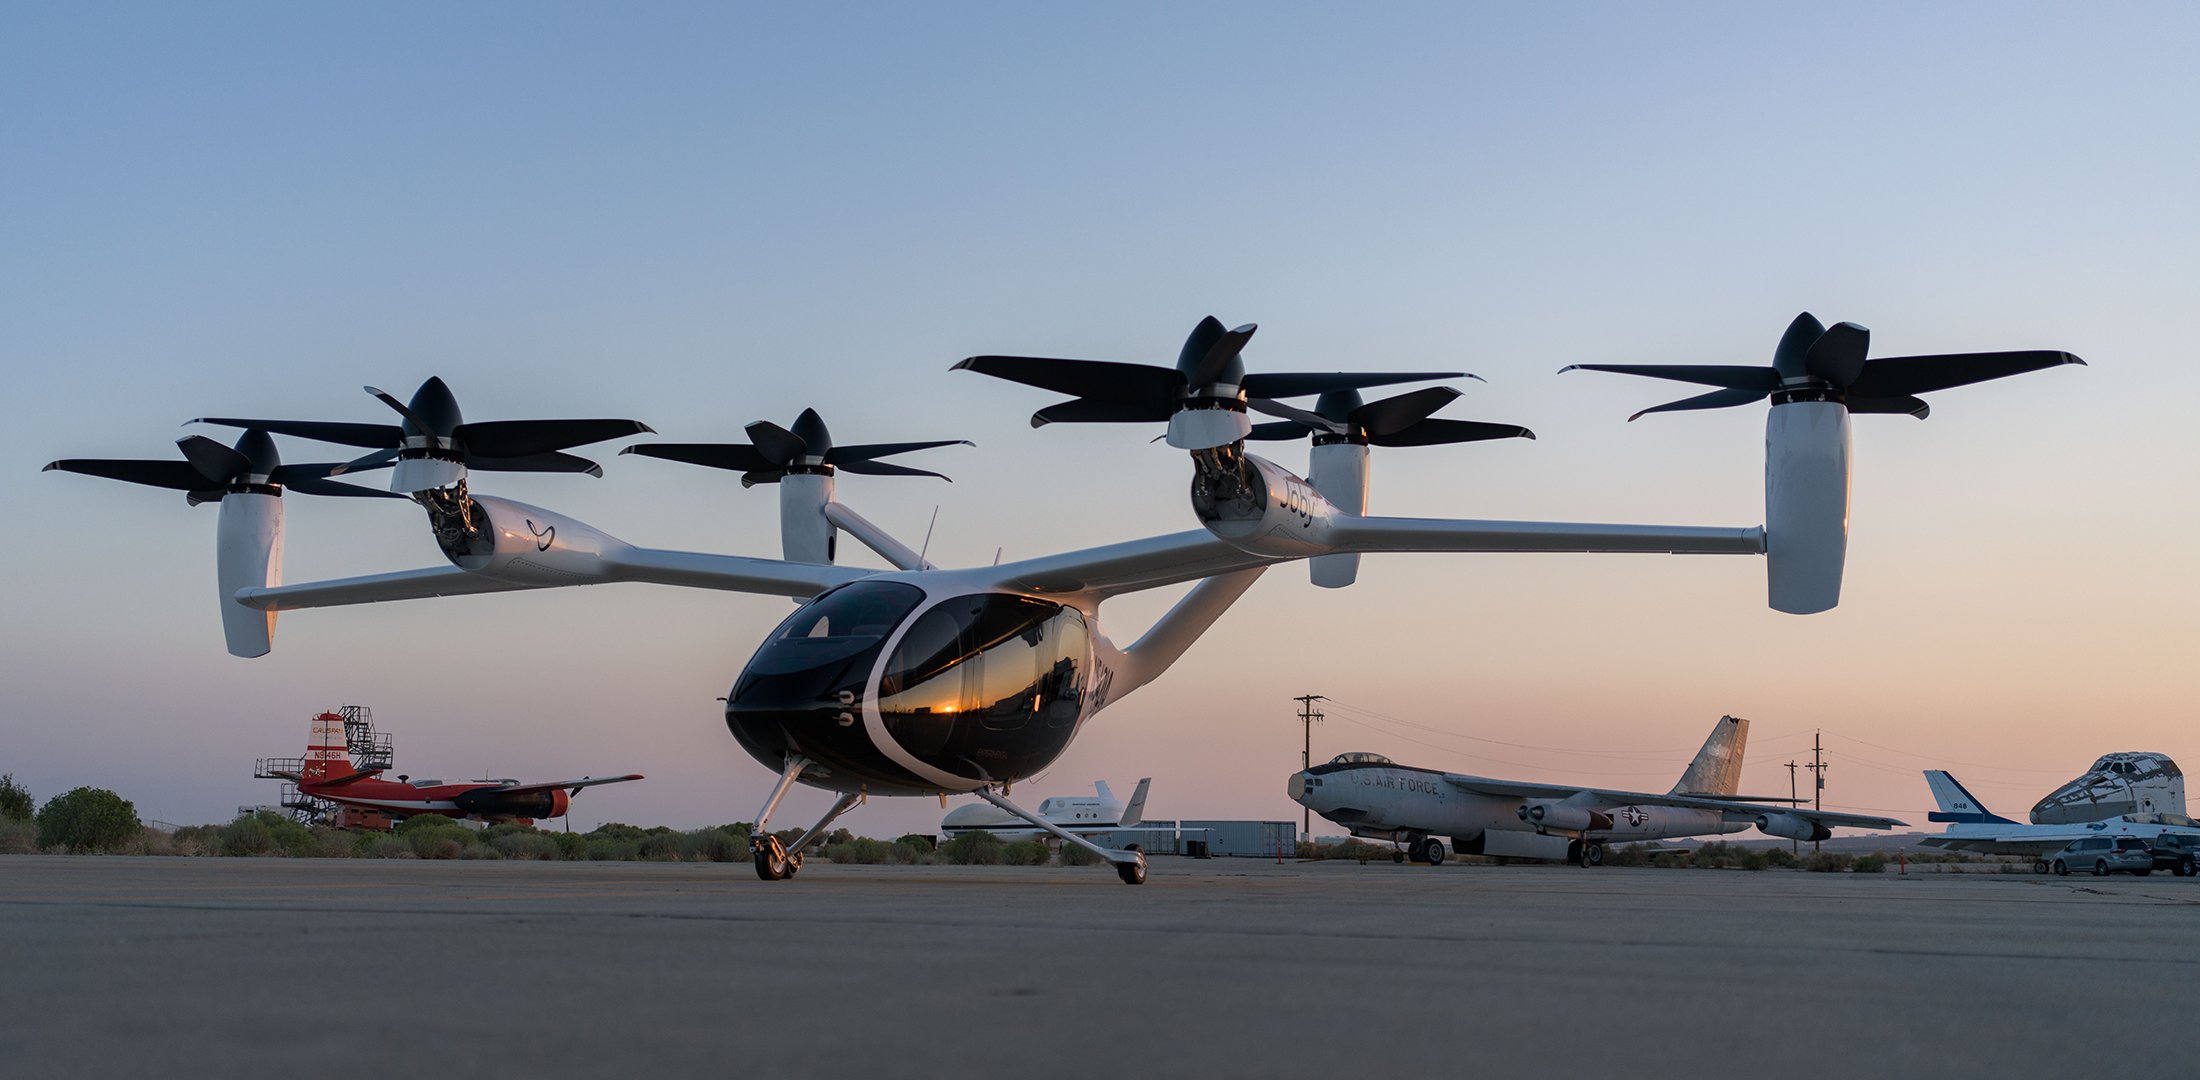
(327, 756)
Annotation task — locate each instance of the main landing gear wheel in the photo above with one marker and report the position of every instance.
(1132, 873)
(2061, 870)
(1592, 855)
(772, 863)
(1433, 852)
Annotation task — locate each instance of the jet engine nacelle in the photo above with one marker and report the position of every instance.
(488, 802)
(1565, 816)
(522, 544)
(1263, 508)
(1792, 827)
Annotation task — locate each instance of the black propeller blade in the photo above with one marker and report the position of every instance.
(210, 470)
(772, 452)
(1814, 362)
(1210, 366)
(434, 426)
(1404, 420)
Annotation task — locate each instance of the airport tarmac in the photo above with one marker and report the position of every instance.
(1219, 968)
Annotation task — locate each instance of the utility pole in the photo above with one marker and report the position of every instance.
(1795, 846)
(1817, 767)
(1308, 717)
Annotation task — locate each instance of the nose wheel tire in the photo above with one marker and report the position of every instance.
(772, 863)
(1132, 873)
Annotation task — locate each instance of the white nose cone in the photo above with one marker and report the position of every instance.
(1205, 429)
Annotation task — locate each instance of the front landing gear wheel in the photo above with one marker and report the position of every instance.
(772, 863)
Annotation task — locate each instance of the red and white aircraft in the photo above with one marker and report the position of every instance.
(327, 771)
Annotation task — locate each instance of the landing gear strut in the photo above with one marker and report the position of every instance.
(1130, 862)
(776, 861)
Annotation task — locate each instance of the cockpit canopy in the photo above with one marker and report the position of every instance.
(1360, 757)
(984, 685)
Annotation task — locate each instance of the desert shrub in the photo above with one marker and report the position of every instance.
(1754, 860)
(1717, 855)
(920, 841)
(335, 844)
(18, 837)
(861, 849)
(291, 838)
(524, 844)
(386, 846)
(616, 830)
(905, 853)
(197, 840)
(570, 845)
(1025, 853)
(1783, 858)
(16, 803)
(148, 841)
(837, 836)
(1350, 848)
(87, 819)
(977, 847)
(715, 845)
(660, 847)
(248, 835)
(1077, 855)
(1874, 863)
(1827, 862)
(1627, 855)
(479, 851)
(433, 836)
(608, 849)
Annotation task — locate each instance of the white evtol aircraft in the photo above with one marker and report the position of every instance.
(928, 681)
(1972, 827)
(1376, 798)
(1080, 814)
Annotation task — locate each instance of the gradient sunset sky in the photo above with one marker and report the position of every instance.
(699, 215)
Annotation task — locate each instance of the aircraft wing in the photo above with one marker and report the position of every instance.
(1130, 566)
(1513, 789)
(1376, 534)
(734, 573)
(568, 785)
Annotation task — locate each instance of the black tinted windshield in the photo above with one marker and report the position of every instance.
(835, 626)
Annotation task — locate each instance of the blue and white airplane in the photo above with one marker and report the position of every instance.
(1974, 828)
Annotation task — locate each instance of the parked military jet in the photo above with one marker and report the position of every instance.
(1376, 798)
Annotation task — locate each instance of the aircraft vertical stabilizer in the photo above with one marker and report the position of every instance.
(1956, 803)
(1134, 811)
(1717, 769)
